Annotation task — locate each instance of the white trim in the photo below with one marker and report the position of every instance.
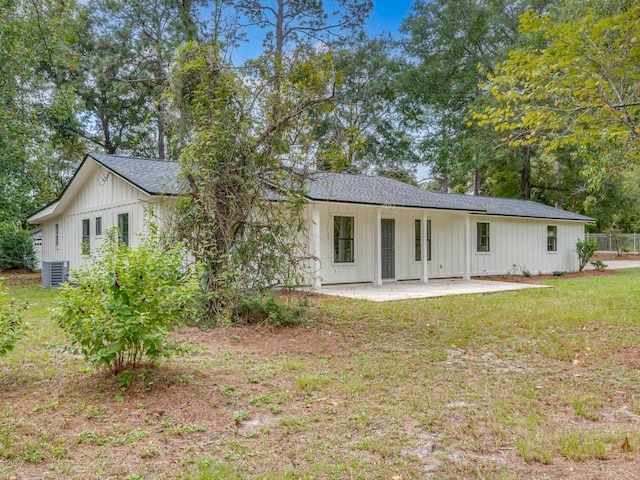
(332, 244)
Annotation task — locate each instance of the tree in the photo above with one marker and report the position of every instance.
(364, 131)
(446, 40)
(242, 205)
(574, 83)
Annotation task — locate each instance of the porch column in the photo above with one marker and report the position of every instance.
(467, 247)
(377, 243)
(424, 272)
(315, 248)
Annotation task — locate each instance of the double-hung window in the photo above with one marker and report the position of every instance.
(123, 226)
(417, 255)
(552, 238)
(86, 236)
(483, 237)
(343, 248)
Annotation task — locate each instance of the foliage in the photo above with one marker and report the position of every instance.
(446, 41)
(573, 83)
(268, 308)
(120, 308)
(12, 327)
(16, 248)
(585, 250)
(241, 212)
(599, 265)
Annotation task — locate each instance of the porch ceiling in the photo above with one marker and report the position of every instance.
(413, 289)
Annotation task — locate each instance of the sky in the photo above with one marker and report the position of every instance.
(386, 17)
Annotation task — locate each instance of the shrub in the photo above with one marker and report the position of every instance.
(585, 250)
(11, 321)
(16, 248)
(599, 265)
(120, 309)
(267, 308)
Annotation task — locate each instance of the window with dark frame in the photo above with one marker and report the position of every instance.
(343, 247)
(98, 226)
(483, 237)
(123, 226)
(552, 238)
(418, 240)
(86, 237)
(57, 235)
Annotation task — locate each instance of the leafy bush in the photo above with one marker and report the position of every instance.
(11, 321)
(599, 265)
(121, 308)
(558, 273)
(585, 250)
(267, 308)
(16, 248)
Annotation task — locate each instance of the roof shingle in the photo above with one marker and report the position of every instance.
(157, 177)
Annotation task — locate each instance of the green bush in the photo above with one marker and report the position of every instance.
(599, 265)
(11, 321)
(120, 309)
(267, 308)
(16, 248)
(585, 250)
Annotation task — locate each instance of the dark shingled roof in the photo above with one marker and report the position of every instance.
(157, 177)
(348, 188)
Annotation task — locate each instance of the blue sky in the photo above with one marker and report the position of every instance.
(386, 16)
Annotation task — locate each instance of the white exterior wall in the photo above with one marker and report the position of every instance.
(523, 242)
(104, 196)
(447, 233)
(513, 241)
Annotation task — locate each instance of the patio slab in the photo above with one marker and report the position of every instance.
(414, 289)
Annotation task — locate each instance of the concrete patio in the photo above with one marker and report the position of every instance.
(414, 289)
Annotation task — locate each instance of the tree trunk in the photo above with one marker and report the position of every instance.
(525, 174)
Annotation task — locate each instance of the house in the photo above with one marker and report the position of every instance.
(360, 228)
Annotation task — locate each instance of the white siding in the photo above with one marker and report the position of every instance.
(513, 241)
(103, 195)
(523, 242)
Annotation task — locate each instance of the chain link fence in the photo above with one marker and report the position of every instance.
(617, 242)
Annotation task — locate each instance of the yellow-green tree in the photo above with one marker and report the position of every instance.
(575, 83)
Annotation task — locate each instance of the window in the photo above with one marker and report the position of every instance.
(552, 238)
(98, 226)
(418, 240)
(123, 226)
(57, 235)
(483, 237)
(343, 239)
(86, 237)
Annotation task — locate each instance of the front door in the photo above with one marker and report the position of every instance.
(388, 247)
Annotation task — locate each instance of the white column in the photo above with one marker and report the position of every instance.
(467, 248)
(377, 246)
(315, 248)
(424, 271)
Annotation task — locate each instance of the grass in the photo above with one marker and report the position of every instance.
(512, 385)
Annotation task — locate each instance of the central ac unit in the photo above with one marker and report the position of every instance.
(54, 274)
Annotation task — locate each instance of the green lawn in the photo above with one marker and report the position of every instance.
(531, 384)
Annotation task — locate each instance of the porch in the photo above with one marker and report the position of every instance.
(406, 290)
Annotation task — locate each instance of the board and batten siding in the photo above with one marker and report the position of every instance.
(513, 241)
(517, 244)
(447, 243)
(104, 195)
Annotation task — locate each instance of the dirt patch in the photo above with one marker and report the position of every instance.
(613, 256)
(628, 357)
(549, 276)
(20, 277)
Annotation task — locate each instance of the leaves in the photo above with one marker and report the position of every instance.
(120, 309)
